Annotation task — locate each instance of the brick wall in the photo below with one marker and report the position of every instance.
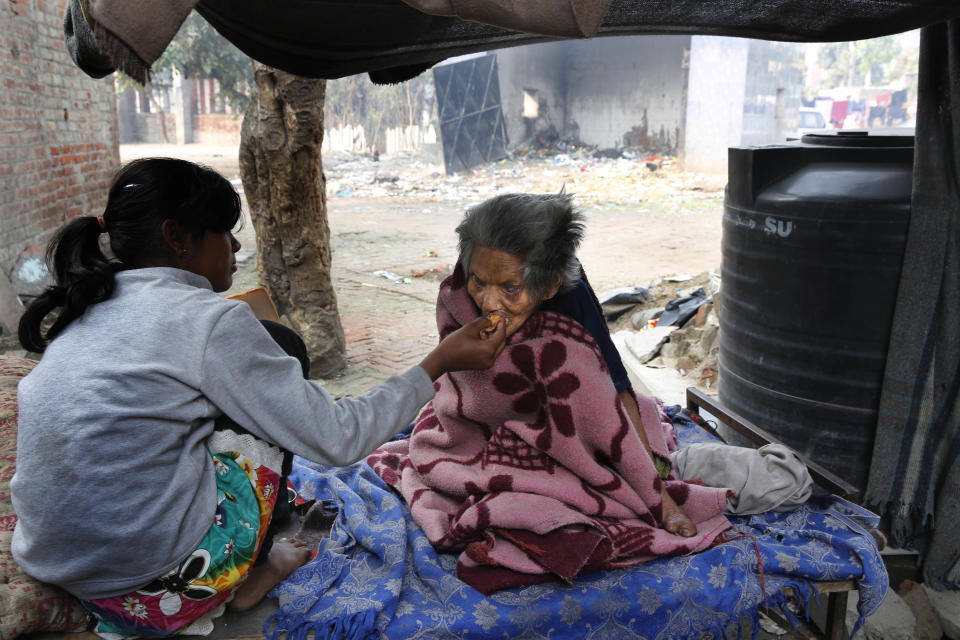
(217, 128)
(58, 130)
(148, 127)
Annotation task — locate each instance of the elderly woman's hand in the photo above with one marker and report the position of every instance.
(469, 347)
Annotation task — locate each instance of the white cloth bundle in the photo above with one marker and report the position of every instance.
(765, 479)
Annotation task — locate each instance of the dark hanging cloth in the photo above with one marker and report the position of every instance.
(915, 471)
(81, 43)
(898, 104)
(323, 38)
(877, 116)
(104, 35)
(335, 38)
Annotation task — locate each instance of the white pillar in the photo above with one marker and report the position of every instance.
(182, 107)
(715, 91)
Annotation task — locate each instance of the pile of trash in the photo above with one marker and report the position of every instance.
(670, 323)
(599, 178)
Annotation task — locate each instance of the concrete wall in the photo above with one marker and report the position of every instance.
(58, 130)
(716, 85)
(608, 92)
(627, 91)
(773, 92)
(539, 69)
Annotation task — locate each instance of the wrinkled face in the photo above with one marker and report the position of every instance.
(495, 282)
(212, 256)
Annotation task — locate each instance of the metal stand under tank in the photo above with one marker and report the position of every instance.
(813, 240)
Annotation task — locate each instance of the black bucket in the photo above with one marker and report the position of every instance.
(813, 240)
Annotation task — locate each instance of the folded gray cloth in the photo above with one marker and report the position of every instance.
(81, 43)
(765, 479)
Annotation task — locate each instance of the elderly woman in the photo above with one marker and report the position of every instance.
(548, 464)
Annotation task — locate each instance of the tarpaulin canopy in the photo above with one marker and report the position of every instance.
(915, 470)
(394, 41)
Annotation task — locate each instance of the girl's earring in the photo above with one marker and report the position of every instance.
(183, 252)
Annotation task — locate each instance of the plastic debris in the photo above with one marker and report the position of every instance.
(616, 302)
(601, 179)
(646, 317)
(679, 310)
(770, 626)
(392, 277)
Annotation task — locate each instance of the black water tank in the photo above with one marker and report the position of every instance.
(813, 240)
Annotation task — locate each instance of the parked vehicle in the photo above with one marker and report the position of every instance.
(811, 120)
(808, 121)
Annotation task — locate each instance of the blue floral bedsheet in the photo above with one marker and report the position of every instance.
(377, 576)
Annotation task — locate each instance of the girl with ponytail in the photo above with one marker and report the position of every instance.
(87, 280)
(155, 430)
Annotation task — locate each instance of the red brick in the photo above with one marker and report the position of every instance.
(48, 166)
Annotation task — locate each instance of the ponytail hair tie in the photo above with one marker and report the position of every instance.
(103, 225)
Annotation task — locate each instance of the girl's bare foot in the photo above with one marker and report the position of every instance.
(285, 557)
(674, 520)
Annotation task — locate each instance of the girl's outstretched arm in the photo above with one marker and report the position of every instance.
(248, 377)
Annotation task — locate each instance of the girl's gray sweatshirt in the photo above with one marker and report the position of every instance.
(114, 486)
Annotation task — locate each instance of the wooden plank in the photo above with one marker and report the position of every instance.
(826, 479)
(834, 625)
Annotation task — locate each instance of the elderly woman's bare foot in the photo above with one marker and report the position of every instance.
(285, 557)
(674, 520)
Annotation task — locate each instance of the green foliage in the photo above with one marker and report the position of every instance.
(198, 51)
(874, 62)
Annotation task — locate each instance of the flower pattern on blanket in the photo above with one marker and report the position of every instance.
(543, 386)
(533, 469)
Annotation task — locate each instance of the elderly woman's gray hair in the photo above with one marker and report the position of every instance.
(543, 230)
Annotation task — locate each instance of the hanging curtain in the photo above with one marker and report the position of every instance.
(915, 471)
(393, 41)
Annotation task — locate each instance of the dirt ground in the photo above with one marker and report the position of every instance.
(641, 224)
(645, 220)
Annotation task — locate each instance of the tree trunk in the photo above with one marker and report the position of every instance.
(283, 180)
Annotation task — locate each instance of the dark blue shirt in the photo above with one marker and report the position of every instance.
(581, 304)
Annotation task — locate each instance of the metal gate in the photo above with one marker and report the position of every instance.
(472, 130)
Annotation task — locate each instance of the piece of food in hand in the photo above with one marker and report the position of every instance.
(495, 319)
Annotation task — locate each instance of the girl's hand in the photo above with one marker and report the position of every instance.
(469, 347)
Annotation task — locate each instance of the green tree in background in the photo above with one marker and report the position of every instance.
(874, 62)
(198, 51)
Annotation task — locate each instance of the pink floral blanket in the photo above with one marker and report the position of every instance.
(533, 469)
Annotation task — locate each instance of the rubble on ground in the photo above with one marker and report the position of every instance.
(598, 180)
(927, 625)
(691, 350)
(894, 620)
(946, 604)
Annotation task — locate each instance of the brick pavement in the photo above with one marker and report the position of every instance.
(387, 330)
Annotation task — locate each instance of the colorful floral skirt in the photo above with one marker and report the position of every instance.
(188, 598)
